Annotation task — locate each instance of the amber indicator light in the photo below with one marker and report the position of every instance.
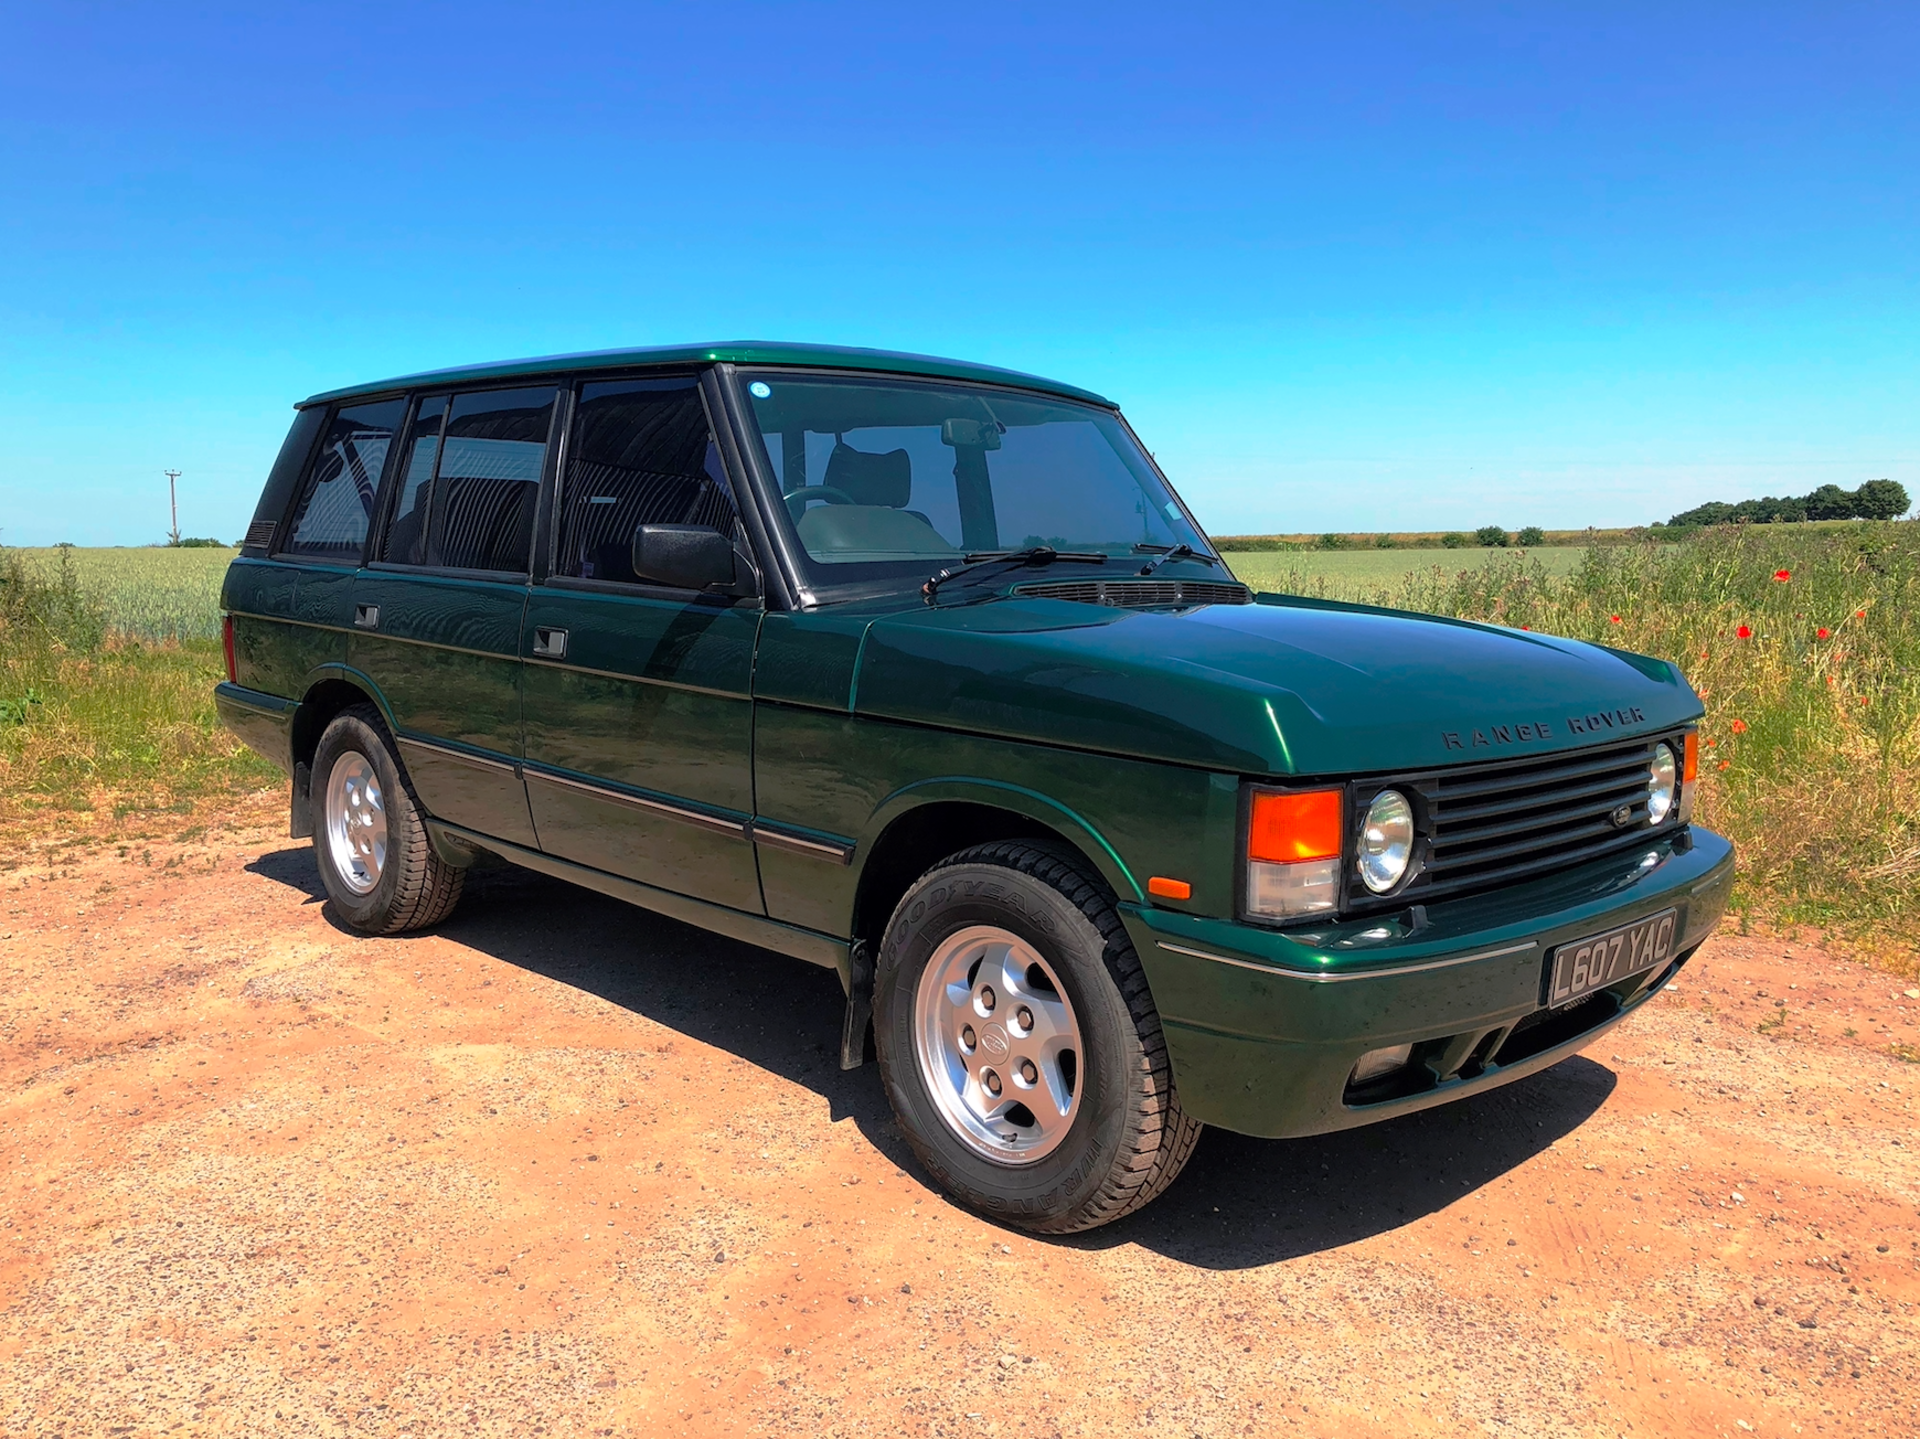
(1288, 828)
(1169, 888)
(1690, 761)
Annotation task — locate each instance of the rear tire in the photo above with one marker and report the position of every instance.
(1019, 1045)
(369, 833)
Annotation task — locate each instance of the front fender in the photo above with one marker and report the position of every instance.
(1072, 827)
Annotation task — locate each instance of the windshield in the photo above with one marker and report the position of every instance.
(887, 480)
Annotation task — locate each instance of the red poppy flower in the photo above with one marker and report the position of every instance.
(1863, 699)
(1712, 742)
(1726, 764)
(1783, 575)
(1613, 619)
(1822, 633)
(1738, 726)
(1743, 633)
(1859, 614)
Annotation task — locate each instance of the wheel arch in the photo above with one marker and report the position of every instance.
(919, 826)
(333, 689)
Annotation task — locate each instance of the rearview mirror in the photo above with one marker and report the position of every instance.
(684, 557)
(970, 434)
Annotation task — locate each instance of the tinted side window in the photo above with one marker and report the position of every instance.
(642, 454)
(336, 502)
(406, 541)
(491, 456)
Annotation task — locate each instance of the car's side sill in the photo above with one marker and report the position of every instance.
(807, 944)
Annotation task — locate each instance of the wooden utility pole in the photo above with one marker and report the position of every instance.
(173, 506)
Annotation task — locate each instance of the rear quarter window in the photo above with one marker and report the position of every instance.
(337, 498)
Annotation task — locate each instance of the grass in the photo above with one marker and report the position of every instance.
(1373, 569)
(1811, 744)
(98, 719)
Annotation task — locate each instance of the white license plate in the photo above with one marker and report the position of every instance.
(1603, 959)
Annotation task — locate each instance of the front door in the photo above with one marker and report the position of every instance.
(437, 616)
(637, 703)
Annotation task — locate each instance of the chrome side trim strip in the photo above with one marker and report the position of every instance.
(762, 833)
(441, 751)
(1394, 973)
(698, 818)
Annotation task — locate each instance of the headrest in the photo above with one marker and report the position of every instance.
(870, 479)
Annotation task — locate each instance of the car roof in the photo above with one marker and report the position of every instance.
(737, 352)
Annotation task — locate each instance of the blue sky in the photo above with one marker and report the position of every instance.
(1405, 266)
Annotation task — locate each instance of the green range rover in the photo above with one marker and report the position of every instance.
(921, 671)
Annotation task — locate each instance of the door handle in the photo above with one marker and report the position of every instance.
(549, 644)
(366, 617)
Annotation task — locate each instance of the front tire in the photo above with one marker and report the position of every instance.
(1019, 1045)
(370, 836)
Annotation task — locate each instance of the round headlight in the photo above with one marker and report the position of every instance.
(1386, 841)
(1662, 784)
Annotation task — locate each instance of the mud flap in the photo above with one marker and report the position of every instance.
(856, 1027)
(300, 817)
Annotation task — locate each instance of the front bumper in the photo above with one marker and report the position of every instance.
(1264, 1026)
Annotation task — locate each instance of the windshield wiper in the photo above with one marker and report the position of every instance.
(1162, 553)
(1032, 555)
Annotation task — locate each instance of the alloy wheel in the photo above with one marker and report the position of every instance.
(997, 1044)
(356, 822)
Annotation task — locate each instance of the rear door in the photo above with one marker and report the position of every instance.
(639, 719)
(437, 615)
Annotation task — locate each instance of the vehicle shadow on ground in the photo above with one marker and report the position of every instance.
(1241, 1202)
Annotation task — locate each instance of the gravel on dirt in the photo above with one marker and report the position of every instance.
(563, 1167)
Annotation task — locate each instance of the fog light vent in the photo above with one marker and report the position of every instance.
(1377, 1063)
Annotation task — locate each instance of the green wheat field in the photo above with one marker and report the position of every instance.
(149, 594)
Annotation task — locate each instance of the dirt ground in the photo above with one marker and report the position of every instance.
(567, 1168)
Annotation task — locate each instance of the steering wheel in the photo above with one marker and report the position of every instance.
(797, 499)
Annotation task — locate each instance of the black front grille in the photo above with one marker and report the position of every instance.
(1142, 594)
(1490, 825)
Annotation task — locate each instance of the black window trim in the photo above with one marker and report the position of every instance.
(764, 539)
(647, 590)
(390, 492)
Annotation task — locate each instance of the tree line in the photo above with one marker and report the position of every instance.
(1875, 500)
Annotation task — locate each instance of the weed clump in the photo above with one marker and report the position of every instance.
(89, 713)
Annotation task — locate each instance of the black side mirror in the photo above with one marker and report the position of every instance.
(684, 557)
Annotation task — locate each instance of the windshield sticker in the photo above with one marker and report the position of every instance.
(760, 389)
